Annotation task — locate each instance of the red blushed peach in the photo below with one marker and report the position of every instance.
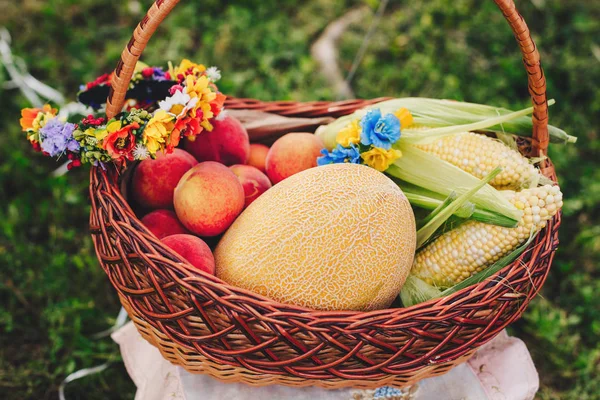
(227, 143)
(208, 199)
(194, 250)
(163, 223)
(154, 180)
(291, 154)
(253, 181)
(258, 156)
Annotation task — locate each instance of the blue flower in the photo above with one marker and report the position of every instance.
(387, 392)
(379, 131)
(340, 155)
(56, 137)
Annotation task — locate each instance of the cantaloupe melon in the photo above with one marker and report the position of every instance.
(336, 237)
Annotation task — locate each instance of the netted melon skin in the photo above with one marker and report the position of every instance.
(335, 237)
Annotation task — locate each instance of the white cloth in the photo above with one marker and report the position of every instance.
(500, 370)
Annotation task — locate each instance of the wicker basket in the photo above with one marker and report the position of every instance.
(207, 326)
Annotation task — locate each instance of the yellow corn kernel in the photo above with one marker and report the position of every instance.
(473, 246)
(479, 155)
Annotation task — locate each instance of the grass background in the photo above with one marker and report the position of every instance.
(53, 295)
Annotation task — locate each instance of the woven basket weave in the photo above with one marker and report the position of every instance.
(207, 326)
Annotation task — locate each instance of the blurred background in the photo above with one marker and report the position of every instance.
(53, 294)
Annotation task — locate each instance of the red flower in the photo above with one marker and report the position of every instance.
(216, 106)
(36, 146)
(91, 121)
(102, 79)
(147, 72)
(74, 164)
(175, 88)
(121, 143)
(186, 126)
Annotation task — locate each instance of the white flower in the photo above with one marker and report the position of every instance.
(222, 115)
(189, 106)
(178, 99)
(140, 152)
(213, 74)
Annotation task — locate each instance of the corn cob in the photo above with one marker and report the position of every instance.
(473, 246)
(479, 155)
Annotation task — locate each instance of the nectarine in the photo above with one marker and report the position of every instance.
(163, 223)
(208, 198)
(154, 180)
(253, 181)
(227, 143)
(291, 154)
(258, 156)
(194, 250)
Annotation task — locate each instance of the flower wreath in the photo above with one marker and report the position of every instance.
(149, 124)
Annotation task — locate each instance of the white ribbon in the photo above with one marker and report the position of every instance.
(34, 90)
(21, 79)
(82, 373)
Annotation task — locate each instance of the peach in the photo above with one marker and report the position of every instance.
(253, 181)
(193, 250)
(154, 181)
(291, 154)
(258, 156)
(163, 223)
(208, 199)
(227, 143)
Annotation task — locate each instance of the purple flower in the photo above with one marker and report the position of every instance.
(159, 74)
(340, 155)
(379, 131)
(56, 137)
(100, 164)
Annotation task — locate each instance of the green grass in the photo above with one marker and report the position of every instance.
(53, 294)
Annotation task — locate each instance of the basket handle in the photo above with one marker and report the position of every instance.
(531, 58)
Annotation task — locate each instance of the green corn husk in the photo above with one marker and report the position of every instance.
(417, 291)
(435, 113)
(429, 172)
(449, 207)
(426, 199)
(444, 205)
(431, 134)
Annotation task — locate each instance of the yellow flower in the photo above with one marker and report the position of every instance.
(157, 130)
(184, 67)
(112, 127)
(405, 117)
(139, 67)
(199, 88)
(379, 158)
(35, 119)
(206, 125)
(350, 134)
